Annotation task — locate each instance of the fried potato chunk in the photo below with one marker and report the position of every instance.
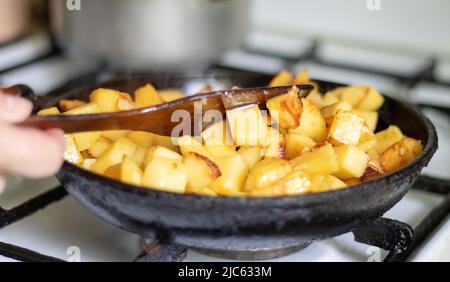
(346, 128)
(286, 109)
(267, 172)
(312, 123)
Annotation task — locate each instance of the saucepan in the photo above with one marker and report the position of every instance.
(150, 34)
(224, 224)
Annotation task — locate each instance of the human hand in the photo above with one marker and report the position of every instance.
(26, 151)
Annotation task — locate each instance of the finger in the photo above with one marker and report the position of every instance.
(13, 108)
(30, 152)
(2, 182)
(58, 135)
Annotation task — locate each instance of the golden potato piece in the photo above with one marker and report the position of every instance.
(125, 102)
(410, 149)
(126, 96)
(326, 182)
(276, 144)
(106, 99)
(91, 108)
(201, 170)
(372, 100)
(49, 111)
(367, 141)
(286, 109)
(139, 155)
(316, 98)
(200, 191)
(72, 153)
(114, 135)
(391, 159)
(166, 141)
(141, 138)
(170, 95)
(370, 117)
(297, 145)
(218, 150)
(113, 172)
(147, 96)
(86, 140)
(330, 111)
(251, 155)
(88, 163)
(160, 152)
(295, 183)
(346, 128)
(320, 161)
(312, 123)
(218, 140)
(353, 94)
(302, 77)
(352, 162)
(130, 172)
(99, 147)
(219, 133)
(266, 172)
(125, 105)
(114, 155)
(189, 144)
(234, 172)
(166, 174)
(387, 138)
(247, 125)
(329, 98)
(374, 160)
(352, 181)
(67, 105)
(283, 78)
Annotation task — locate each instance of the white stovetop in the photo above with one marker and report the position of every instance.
(66, 224)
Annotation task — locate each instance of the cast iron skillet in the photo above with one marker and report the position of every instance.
(233, 223)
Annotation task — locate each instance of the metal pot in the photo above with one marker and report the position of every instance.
(150, 34)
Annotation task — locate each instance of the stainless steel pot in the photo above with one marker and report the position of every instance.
(150, 34)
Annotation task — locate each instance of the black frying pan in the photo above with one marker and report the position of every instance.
(233, 223)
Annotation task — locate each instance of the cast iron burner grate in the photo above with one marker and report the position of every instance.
(394, 236)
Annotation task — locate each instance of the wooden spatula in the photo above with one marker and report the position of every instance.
(158, 119)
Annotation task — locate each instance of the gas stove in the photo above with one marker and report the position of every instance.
(39, 222)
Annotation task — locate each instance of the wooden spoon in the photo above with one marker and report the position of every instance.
(158, 119)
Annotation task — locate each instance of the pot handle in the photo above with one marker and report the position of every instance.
(22, 91)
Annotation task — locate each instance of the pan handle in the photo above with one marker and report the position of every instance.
(432, 184)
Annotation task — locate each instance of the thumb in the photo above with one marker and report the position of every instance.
(13, 108)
